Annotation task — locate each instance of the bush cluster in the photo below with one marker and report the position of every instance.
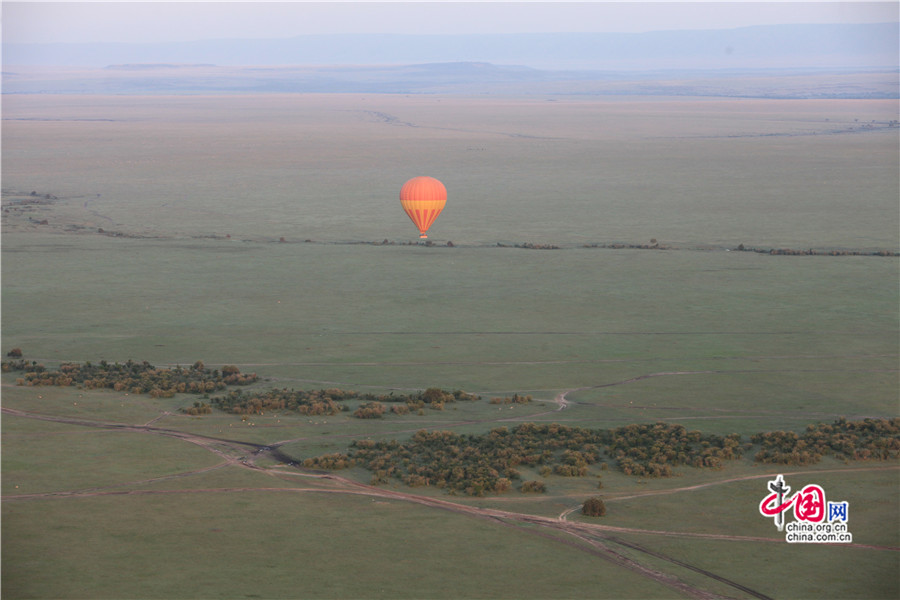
(538, 487)
(653, 245)
(369, 410)
(133, 377)
(813, 252)
(514, 399)
(869, 439)
(327, 401)
(315, 402)
(434, 398)
(480, 464)
(457, 463)
(199, 408)
(652, 449)
(489, 463)
(331, 462)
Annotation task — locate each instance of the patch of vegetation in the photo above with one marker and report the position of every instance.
(651, 450)
(538, 487)
(331, 462)
(471, 464)
(144, 378)
(315, 402)
(199, 408)
(133, 377)
(593, 507)
(529, 246)
(814, 252)
(653, 245)
(481, 464)
(327, 401)
(514, 399)
(369, 410)
(869, 439)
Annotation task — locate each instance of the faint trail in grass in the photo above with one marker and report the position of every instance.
(108, 490)
(698, 486)
(389, 119)
(154, 420)
(201, 440)
(723, 372)
(681, 563)
(600, 550)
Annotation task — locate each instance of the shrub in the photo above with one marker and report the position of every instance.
(369, 410)
(331, 462)
(199, 408)
(533, 486)
(593, 507)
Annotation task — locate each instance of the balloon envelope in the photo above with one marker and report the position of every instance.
(423, 199)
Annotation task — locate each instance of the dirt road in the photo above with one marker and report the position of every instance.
(596, 539)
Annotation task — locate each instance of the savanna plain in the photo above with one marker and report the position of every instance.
(610, 257)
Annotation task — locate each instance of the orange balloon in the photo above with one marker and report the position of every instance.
(423, 199)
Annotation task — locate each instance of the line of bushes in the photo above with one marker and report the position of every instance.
(131, 376)
(330, 401)
(814, 252)
(491, 463)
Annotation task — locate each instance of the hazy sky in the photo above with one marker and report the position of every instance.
(35, 21)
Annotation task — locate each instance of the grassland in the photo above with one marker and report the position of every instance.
(780, 173)
(193, 195)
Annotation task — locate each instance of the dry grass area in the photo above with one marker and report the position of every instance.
(545, 170)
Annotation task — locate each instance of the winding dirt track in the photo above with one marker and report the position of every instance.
(595, 539)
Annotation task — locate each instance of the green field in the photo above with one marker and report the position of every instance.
(193, 194)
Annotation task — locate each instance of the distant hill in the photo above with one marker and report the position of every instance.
(450, 78)
(781, 46)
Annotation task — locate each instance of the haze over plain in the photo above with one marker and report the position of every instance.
(540, 34)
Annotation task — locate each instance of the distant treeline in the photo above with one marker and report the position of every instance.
(144, 378)
(814, 252)
(653, 245)
(491, 463)
(529, 246)
(131, 376)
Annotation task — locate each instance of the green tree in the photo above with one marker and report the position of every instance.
(593, 507)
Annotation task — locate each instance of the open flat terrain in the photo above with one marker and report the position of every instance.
(264, 231)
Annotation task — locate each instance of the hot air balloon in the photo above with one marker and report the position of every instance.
(423, 199)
